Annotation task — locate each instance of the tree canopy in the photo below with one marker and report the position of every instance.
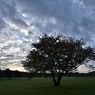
(58, 55)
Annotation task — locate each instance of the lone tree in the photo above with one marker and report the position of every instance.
(58, 55)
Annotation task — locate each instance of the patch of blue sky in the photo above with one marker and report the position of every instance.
(20, 35)
(28, 20)
(92, 16)
(21, 16)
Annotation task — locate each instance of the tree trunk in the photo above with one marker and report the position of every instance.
(56, 82)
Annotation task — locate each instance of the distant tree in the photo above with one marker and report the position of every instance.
(17, 74)
(8, 73)
(58, 55)
(0, 74)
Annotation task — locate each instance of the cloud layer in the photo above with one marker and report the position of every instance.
(22, 21)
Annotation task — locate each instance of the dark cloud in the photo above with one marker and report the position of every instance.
(9, 56)
(68, 15)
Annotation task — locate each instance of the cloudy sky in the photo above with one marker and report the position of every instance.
(22, 21)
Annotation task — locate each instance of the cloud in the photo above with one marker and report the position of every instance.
(22, 21)
(71, 18)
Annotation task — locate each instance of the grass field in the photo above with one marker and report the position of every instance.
(44, 86)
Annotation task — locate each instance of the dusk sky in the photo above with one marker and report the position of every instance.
(22, 21)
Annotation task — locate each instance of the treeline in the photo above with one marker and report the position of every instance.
(12, 74)
(90, 74)
(17, 74)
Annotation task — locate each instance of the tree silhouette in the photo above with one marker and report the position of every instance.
(8, 73)
(17, 74)
(0, 74)
(58, 55)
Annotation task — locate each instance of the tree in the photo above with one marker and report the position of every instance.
(17, 74)
(8, 73)
(58, 55)
(0, 74)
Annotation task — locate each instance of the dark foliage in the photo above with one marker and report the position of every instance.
(12, 74)
(17, 74)
(8, 73)
(0, 74)
(58, 55)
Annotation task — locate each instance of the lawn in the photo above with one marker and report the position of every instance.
(44, 86)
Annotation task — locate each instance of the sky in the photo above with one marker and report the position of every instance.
(22, 21)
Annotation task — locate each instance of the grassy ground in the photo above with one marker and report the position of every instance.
(41, 86)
